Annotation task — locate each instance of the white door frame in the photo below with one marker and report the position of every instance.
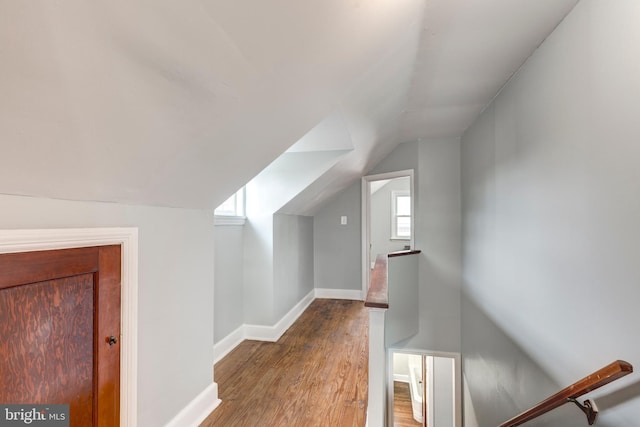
(456, 380)
(12, 241)
(366, 218)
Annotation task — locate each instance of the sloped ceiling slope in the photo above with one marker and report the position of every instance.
(181, 103)
(369, 113)
(451, 65)
(174, 103)
(468, 51)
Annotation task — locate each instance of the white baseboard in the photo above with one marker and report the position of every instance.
(273, 333)
(261, 333)
(198, 409)
(350, 294)
(228, 343)
(401, 378)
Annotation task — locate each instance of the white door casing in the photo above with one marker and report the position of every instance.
(12, 241)
(366, 218)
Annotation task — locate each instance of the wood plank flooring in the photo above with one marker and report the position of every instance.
(315, 375)
(402, 410)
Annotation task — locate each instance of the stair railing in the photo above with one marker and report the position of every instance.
(604, 376)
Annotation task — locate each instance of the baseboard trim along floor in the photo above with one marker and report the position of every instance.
(273, 333)
(198, 409)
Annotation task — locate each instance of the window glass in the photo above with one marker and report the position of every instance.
(401, 215)
(403, 226)
(403, 205)
(233, 206)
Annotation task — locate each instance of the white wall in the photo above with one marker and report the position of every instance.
(175, 291)
(551, 208)
(401, 365)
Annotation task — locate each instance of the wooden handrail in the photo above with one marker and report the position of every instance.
(404, 252)
(378, 294)
(609, 373)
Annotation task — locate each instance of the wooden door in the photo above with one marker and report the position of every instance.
(60, 331)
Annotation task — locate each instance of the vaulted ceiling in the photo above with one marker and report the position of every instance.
(180, 103)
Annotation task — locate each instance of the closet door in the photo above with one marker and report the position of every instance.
(60, 323)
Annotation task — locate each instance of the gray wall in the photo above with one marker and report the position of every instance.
(175, 323)
(401, 320)
(337, 248)
(436, 166)
(257, 273)
(266, 194)
(292, 260)
(501, 379)
(438, 235)
(228, 289)
(551, 230)
(404, 156)
(437, 226)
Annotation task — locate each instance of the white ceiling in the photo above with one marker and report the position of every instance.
(468, 50)
(181, 103)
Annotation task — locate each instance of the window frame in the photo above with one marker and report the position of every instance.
(236, 216)
(394, 214)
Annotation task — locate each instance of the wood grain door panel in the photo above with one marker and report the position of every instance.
(48, 345)
(57, 310)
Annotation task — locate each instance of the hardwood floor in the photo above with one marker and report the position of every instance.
(315, 375)
(402, 410)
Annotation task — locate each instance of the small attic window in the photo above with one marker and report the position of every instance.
(231, 211)
(400, 215)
